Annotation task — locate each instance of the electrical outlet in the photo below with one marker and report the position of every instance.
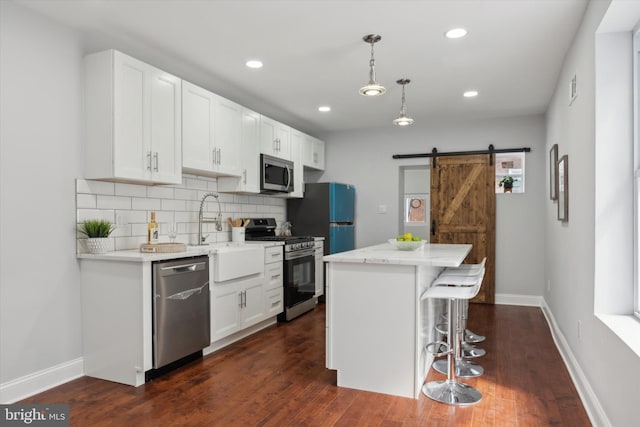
(579, 330)
(382, 209)
(548, 285)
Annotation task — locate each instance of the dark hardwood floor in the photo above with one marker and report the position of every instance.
(278, 377)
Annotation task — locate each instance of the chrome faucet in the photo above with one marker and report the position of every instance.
(201, 219)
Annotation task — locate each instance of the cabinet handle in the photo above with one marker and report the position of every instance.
(275, 277)
(213, 156)
(240, 304)
(149, 160)
(244, 174)
(245, 298)
(219, 155)
(155, 157)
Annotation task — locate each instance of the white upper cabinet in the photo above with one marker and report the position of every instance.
(249, 180)
(297, 145)
(211, 133)
(313, 153)
(132, 121)
(275, 138)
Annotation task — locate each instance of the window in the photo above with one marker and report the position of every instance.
(415, 208)
(510, 173)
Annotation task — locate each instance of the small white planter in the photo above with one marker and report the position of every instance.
(98, 245)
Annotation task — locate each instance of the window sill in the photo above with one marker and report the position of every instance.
(626, 327)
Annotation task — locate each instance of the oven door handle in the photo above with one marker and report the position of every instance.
(299, 254)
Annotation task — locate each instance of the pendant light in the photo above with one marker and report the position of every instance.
(403, 120)
(372, 89)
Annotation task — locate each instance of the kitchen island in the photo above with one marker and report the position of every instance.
(377, 325)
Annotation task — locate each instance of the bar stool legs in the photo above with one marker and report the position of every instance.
(463, 368)
(451, 391)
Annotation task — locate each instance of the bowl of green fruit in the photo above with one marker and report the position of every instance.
(407, 242)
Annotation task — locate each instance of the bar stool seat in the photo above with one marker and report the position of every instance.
(452, 391)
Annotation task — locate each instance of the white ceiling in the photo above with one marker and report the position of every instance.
(313, 52)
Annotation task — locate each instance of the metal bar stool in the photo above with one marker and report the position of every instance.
(463, 276)
(452, 391)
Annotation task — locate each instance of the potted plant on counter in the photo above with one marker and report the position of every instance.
(506, 183)
(97, 232)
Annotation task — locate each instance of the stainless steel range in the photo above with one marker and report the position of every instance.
(299, 266)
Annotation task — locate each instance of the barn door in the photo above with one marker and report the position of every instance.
(463, 201)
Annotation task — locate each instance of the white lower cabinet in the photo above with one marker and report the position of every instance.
(273, 272)
(240, 303)
(235, 305)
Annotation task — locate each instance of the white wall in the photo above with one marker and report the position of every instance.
(364, 158)
(606, 370)
(40, 143)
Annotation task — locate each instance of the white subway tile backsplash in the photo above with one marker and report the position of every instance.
(131, 217)
(173, 205)
(146, 204)
(238, 198)
(130, 206)
(185, 194)
(87, 214)
(94, 187)
(198, 184)
(131, 190)
(113, 202)
(159, 192)
(86, 201)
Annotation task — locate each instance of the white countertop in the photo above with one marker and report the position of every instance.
(433, 254)
(134, 255)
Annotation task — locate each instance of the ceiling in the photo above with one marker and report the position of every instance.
(313, 52)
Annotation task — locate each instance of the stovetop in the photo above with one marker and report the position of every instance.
(264, 229)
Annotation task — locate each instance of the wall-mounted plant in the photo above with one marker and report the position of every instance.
(97, 232)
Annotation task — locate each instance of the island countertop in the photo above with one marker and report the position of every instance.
(433, 254)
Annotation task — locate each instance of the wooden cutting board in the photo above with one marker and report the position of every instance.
(159, 248)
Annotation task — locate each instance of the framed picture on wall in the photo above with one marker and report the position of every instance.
(563, 189)
(553, 172)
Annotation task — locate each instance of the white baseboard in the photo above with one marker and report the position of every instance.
(513, 299)
(591, 404)
(28, 385)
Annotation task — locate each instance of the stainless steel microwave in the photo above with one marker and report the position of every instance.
(276, 175)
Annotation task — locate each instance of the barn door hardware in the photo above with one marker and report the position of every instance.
(434, 153)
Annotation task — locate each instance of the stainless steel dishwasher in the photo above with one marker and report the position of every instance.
(181, 309)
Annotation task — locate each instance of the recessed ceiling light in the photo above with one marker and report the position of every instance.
(470, 93)
(254, 63)
(455, 33)
(324, 108)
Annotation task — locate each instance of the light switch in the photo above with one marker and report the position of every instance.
(382, 209)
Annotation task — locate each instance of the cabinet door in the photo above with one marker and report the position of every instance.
(228, 137)
(226, 310)
(275, 302)
(273, 275)
(319, 276)
(283, 136)
(298, 140)
(131, 133)
(254, 307)
(250, 151)
(166, 127)
(318, 154)
(268, 141)
(198, 106)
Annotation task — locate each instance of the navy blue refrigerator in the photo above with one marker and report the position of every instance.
(327, 210)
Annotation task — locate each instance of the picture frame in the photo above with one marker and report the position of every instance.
(553, 172)
(563, 189)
